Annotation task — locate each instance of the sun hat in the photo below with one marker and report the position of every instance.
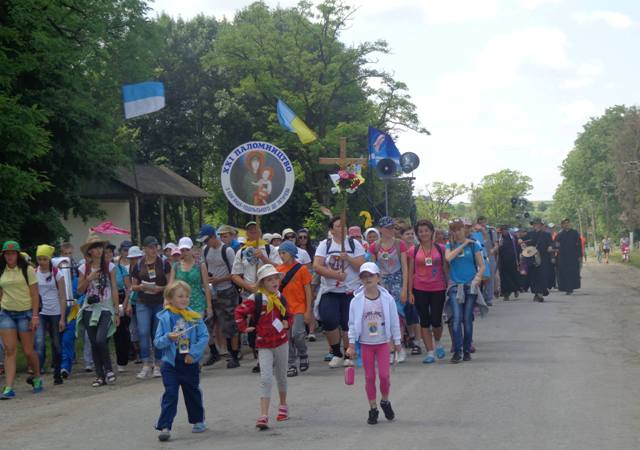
(266, 271)
(45, 250)
(206, 232)
(134, 252)
(93, 240)
(370, 267)
(11, 246)
(275, 236)
(386, 222)
(267, 237)
(288, 231)
(226, 229)
(185, 242)
(170, 246)
(355, 231)
(288, 247)
(149, 241)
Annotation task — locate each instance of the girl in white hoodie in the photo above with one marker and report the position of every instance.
(374, 322)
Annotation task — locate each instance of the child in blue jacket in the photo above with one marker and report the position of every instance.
(181, 336)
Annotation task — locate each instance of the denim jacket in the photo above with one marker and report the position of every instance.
(198, 337)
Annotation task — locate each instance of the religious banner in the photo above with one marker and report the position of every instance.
(257, 178)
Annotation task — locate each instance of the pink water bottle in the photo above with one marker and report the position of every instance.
(349, 375)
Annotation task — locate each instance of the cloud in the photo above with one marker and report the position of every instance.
(611, 18)
(577, 112)
(534, 4)
(586, 75)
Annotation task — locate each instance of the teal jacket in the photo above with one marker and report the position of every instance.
(198, 337)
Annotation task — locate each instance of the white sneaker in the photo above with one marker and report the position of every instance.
(121, 368)
(336, 361)
(402, 356)
(144, 373)
(348, 362)
(156, 372)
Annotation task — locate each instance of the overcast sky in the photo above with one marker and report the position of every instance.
(499, 83)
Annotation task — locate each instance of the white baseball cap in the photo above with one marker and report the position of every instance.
(370, 267)
(185, 242)
(134, 252)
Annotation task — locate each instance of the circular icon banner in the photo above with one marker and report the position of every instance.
(257, 178)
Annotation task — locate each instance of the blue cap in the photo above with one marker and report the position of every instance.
(206, 232)
(289, 247)
(385, 222)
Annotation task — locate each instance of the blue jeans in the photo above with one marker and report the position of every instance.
(186, 376)
(69, 346)
(147, 324)
(462, 312)
(52, 323)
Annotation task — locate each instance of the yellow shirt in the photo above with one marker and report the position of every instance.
(15, 292)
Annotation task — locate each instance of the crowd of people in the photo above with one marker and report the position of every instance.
(377, 297)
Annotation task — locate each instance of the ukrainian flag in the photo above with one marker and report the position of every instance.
(294, 124)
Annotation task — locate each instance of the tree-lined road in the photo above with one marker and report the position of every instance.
(564, 374)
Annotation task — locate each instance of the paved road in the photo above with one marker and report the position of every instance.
(560, 375)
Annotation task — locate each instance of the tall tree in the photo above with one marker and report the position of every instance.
(435, 203)
(492, 197)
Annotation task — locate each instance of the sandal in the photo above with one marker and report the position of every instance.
(98, 382)
(283, 413)
(111, 378)
(304, 364)
(292, 372)
(262, 423)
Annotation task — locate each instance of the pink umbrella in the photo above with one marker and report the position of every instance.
(108, 228)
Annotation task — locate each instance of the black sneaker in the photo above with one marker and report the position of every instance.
(233, 363)
(57, 380)
(256, 369)
(467, 356)
(387, 410)
(213, 358)
(373, 416)
(456, 358)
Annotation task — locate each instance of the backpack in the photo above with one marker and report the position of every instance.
(225, 258)
(352, 245)
(257, 299)
(24, 273)
(289, 276)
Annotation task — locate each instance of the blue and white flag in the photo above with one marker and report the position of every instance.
(142, 98)
(381, 146)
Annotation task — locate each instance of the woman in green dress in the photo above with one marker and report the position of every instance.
(195, 275)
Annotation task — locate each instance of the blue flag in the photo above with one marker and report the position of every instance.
(381, 146)
(142, 98)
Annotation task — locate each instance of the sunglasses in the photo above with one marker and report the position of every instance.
(302, 236)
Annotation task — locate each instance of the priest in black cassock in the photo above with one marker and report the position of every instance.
(569, 258)
(508, 259)
(539, 274)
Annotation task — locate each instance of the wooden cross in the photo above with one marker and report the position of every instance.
(343, 162)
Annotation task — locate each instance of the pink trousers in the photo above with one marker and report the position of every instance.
(371, 354)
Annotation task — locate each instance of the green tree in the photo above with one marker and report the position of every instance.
(492, 197)
(435, 203)
(60, 105)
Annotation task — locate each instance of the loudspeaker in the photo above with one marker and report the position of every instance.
(386, 168)
(409, 162)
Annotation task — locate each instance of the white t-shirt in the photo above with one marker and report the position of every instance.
(331, 260)
(373, 332)
(246, 264)
(94, 287)
(48, 290)
(303, 256)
